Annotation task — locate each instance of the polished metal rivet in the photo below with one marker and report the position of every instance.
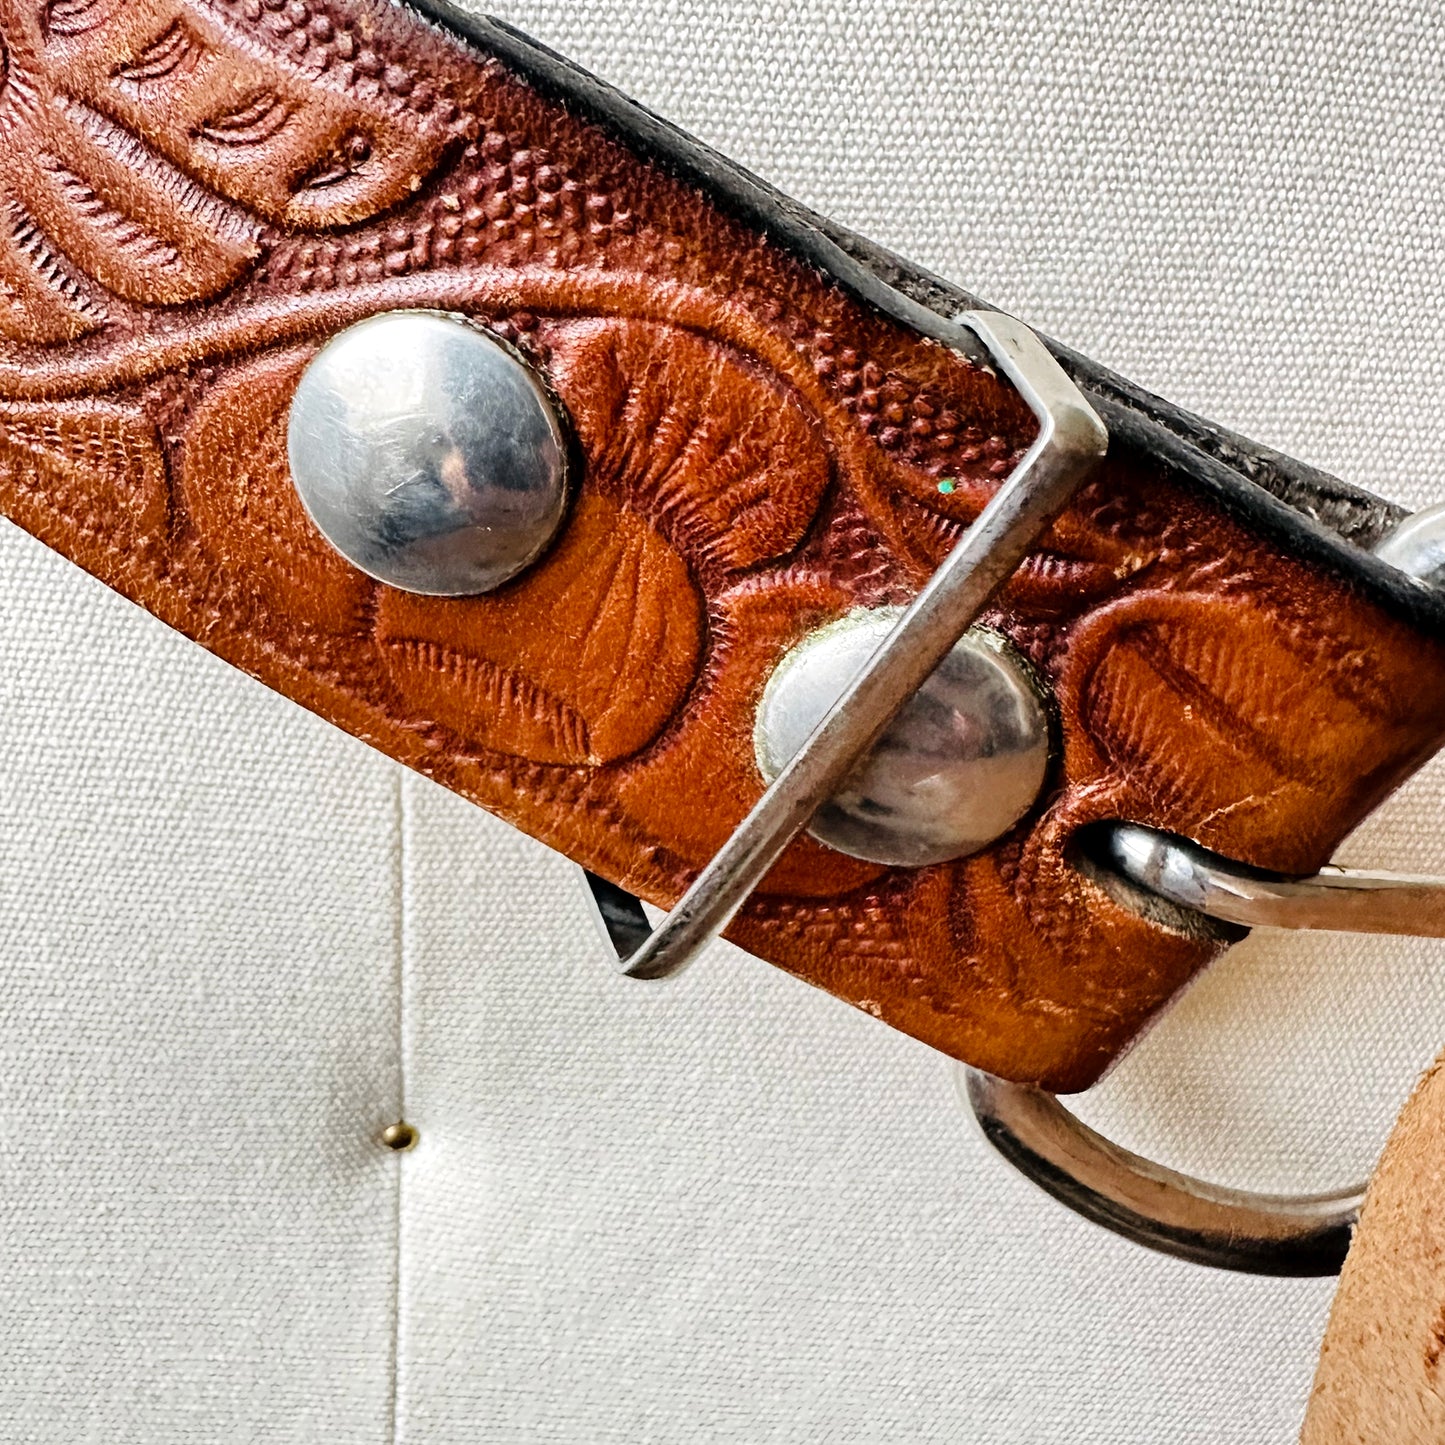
(400, 1137)
(956, 769)
(428, 453)
(1417, 546)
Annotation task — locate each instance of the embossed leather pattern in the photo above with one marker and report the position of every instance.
(196, 194)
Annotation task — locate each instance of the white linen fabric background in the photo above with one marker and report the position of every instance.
(236, 944)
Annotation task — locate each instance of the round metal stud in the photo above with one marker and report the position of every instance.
(428, 453)
(401, 1137)
(956, 769)
(1417, 546)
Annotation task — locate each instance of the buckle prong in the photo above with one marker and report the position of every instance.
(1070, 444)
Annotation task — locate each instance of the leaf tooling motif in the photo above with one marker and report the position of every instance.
(41, 302)
(581, 660)
(239, 497)
(1219, 713)
(725, 460)
(246, 119)
(97, 464)
(140, 143)
(77, 186)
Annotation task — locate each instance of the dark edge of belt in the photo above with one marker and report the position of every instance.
(1309, 513)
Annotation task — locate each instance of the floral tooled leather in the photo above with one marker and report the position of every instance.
(196, 194)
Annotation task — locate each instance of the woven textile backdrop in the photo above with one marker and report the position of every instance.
(234, 944)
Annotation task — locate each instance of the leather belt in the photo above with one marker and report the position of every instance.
(774, 425)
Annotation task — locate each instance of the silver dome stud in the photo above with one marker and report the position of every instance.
(955, 770)
(428, 453)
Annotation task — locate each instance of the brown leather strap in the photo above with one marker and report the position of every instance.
(1380, 1379)
(195, 194)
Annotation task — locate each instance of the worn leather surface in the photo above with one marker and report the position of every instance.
(1380, 1379)
(197, 193)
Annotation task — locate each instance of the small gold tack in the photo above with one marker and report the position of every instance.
(400, 1137)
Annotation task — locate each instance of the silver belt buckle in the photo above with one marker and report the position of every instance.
(1161, 1208)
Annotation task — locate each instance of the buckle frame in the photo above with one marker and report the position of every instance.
(1284, 1235)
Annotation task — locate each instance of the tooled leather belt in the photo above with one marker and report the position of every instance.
(764, 429)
